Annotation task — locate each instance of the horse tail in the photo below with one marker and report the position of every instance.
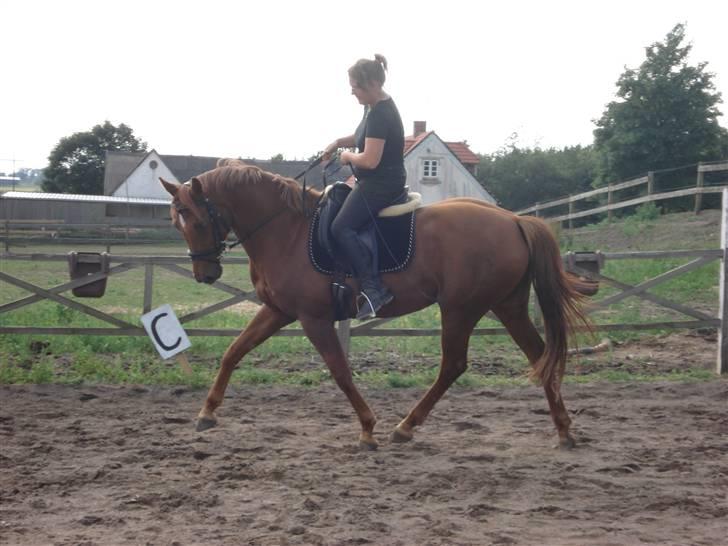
(558, 296)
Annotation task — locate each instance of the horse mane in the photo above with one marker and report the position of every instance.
(231, 174)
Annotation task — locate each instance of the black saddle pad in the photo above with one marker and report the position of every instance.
(395, 240)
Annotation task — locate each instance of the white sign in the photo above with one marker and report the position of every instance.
(166, 332)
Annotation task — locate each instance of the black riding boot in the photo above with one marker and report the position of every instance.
(374, 295)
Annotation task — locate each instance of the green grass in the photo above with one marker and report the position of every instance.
(117, 359)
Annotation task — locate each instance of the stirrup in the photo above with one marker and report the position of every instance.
(366, 310)
(369, 308)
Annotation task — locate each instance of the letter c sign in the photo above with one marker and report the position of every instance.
(166, 332)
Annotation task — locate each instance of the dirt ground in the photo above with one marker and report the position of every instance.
(123, 465)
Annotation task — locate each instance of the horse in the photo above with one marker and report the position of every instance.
(470, 258)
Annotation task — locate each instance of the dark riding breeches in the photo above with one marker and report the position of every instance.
(356, 212)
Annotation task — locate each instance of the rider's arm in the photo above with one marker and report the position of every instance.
(369, 158)
(343, 142)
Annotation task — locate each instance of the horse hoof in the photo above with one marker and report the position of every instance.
(566, 444)
(205, 423)
(367, 442)
(368, 446)
(401, 436)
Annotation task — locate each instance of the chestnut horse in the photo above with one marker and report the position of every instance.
(470, 258)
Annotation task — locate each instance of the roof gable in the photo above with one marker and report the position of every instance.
(120, 166)
(459, 149)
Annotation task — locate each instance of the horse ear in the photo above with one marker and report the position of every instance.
(196, 187)
(169, 186)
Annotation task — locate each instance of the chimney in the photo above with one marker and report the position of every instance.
(420, 127)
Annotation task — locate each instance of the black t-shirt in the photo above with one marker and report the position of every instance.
(383, 121)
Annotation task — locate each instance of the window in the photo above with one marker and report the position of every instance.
(430, 168)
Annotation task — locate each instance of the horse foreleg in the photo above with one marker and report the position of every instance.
(265, 323)
(323, 336)
(516, 320)
(456, 330)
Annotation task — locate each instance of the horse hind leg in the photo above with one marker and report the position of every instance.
(456, 329)
(514, 316)
(265, 323)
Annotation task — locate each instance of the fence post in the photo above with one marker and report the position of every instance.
(343, 330)
(650, 182)
(148, 277)
(7, 236)
(610, 200)
(571, 212)
(698, 188)
(722, 361)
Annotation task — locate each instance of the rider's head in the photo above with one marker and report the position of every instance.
(367, 77)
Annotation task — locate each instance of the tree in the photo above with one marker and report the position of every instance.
(76, 164)
(666, 116)
(520, 177)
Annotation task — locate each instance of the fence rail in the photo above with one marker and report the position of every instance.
(119, 264)
(649, 181)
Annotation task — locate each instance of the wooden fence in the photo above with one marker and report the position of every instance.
(118, 264)
(611, 192)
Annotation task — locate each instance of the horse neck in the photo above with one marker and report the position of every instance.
(261, 218)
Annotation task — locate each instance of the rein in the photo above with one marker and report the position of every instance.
(220, 226)
(303, 174)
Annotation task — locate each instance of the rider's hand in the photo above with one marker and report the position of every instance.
(331, 150)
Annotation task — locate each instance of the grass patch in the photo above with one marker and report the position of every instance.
(123, 359)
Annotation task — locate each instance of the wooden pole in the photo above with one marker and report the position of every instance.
(610, 200)
(698, 187)
(183, 363)
(148, 278)
(344, 332)
(650, 182)
(722, 363)
(571, 211)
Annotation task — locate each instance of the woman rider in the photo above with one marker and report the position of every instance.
(379, 169)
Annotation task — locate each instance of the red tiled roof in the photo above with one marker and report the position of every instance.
(459, 149)
(463, 153)
(412, 141)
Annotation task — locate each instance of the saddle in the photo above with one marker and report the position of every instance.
(390, 239)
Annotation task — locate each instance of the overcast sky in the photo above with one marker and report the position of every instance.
(254, 79)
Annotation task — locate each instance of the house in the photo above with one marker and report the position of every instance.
(136, 174)
(439, 170)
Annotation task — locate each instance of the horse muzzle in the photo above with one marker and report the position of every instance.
(208, 273)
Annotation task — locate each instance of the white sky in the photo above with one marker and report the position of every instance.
(253, 79)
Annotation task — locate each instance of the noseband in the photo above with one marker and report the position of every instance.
(219, 227)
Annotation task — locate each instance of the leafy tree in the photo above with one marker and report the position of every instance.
(76, 164)
(666, 115)
(277, 158)
(520, 177)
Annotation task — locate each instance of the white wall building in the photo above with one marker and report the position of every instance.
(440, 170)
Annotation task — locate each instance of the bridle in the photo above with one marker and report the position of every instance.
(220, 227)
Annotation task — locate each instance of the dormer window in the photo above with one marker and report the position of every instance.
(430, 168)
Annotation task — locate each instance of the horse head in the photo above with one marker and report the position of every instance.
(202, 226)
